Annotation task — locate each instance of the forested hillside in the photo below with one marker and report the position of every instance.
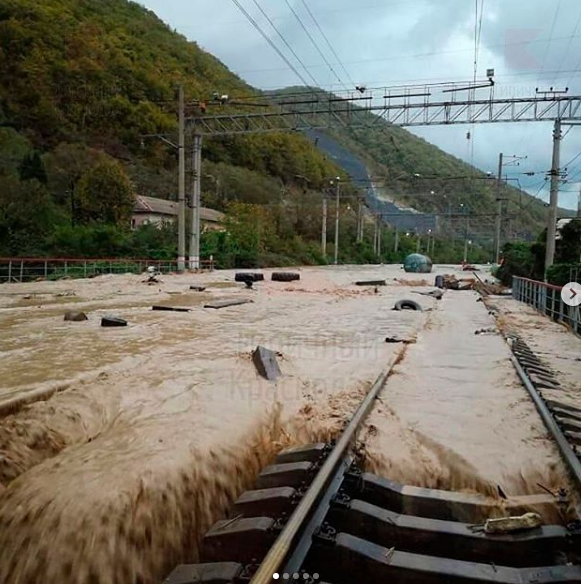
(85, 85)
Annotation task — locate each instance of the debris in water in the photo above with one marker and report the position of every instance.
(170, 308)
(285, 277)
(226, 303)
(249, 276)
(511, 524)
(111, 321)
(75, 316)
(198, 288)
(407, 305)
(399, 339)
(266, 364)
(371, 283)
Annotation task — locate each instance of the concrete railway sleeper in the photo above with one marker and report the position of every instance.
(315, 517)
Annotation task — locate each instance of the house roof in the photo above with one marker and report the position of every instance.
(156, 206)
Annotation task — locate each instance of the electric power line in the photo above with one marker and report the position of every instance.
(285, 42)
(568, 46)
(298, 18)
(268, 40)
(328, 42)
(556, 15)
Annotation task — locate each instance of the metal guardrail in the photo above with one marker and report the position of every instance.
(546, 298)
(30, 269)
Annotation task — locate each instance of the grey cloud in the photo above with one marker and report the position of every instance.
(385, 38)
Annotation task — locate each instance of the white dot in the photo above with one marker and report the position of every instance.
(276, 576)
(285, 576)
(306, 576)
(315, 576)
(296, 576)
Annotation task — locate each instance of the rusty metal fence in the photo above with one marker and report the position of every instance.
(31, 269)
(546, 298)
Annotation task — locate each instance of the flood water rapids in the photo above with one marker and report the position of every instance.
(120, 447)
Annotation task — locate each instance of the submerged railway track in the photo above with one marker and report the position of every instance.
(315, 516)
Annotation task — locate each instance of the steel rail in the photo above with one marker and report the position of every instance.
(565, 449)
(283, 545)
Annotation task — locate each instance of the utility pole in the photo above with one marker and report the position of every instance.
(181, 182)
(396, 244)
(554, 201)
(359, 222)
(418, 247)
(579, 203)
(497, 243)
(337, 210)
(324, 227)
(379, 237)
(195, 211)
(375, 235)
(466, 239)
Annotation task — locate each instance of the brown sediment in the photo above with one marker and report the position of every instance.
(116, 478)
(133, 531)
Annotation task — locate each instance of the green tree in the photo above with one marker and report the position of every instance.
(26, 216)
(105, 194)
(32, 168)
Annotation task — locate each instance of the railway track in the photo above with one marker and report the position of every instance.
(314, 516)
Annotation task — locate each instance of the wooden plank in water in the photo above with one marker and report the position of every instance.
(226, 303)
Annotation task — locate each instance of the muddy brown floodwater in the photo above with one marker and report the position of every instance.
(145, 435)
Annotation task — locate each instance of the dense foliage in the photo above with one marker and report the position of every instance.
(86, 85)
(528, 260)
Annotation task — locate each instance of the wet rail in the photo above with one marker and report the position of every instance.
(562, 420)
(315, 516)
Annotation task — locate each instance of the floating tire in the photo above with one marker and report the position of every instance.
(407, 305)
(249, 277)
(285, 277)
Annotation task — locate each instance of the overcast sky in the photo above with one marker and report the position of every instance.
(529, 43)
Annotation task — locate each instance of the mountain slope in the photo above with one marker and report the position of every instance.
(86, 83)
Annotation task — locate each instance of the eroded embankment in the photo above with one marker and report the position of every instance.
(88, 521)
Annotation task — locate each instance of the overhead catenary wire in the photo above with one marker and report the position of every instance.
(286, 43)
(269, 41)
(566, 53)
(313, 42)
(325, 37)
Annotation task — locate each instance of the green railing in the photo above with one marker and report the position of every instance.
(14, 270)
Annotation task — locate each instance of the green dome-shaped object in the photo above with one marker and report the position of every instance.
(417, 264)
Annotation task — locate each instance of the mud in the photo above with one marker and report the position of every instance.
(157, 428)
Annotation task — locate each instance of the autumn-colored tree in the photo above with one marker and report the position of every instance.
(105, 194)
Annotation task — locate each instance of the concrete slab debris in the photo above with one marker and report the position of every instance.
(171, 308)
(198, 288)
(112, 321)
(266, 364)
